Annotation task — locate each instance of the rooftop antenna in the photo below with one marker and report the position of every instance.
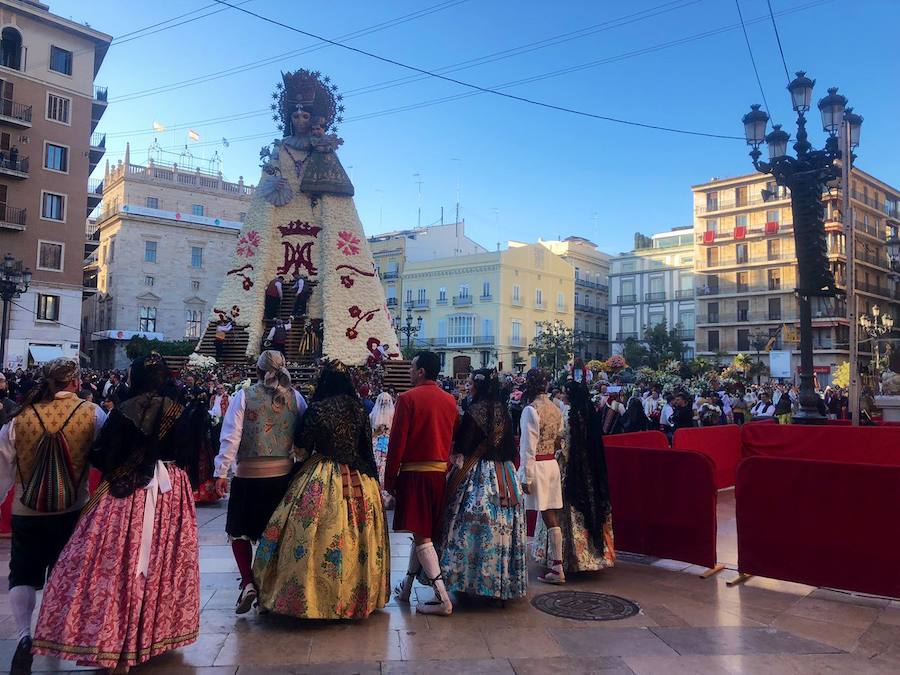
(457, 160)
(419, 182)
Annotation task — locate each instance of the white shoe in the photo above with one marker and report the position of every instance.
(553, 576)
(403, 590)
(246, 599)
(435, 607)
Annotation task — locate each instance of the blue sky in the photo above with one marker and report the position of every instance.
(523, 171)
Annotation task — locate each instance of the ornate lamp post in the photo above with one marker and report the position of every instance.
(806, 176)
(876, 326)
(14, 280)
(409, 328)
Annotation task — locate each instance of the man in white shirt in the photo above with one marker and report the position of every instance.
(257, 439)
(763, 408)
(653, 405)
(41, 527)
(299, 295)
(277, 336)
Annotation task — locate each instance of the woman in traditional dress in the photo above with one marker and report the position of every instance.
(587, 514)
(126, 587)
(483, 544)
(325, 552)
(382, 418)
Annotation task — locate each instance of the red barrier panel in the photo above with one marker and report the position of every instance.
(865, 445)
(638, 439)
(663, 503)
(819, 523)
(722, 444)
(837, 423)
(6, 514)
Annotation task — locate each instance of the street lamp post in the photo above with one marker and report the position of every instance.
(408, 328)
(14, 280)
(876, 326)
(806, 176)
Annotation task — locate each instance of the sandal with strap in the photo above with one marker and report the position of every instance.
(437, 606)
(400, 593)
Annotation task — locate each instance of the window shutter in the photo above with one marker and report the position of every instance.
(442, 328)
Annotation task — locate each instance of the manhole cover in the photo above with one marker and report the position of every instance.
(585, 606)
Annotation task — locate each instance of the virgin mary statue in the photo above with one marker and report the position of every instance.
(302, 222)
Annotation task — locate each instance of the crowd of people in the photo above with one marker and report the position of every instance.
(310, 483)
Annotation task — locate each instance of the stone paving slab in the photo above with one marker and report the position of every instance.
(739, 640)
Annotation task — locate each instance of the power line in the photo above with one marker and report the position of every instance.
(476, 87)
(737, 3)
(362, 32)
(555, 73)
(119, 41)
(33, 313)
(778, 38)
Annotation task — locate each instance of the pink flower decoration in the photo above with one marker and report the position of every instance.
(355, 312)
(248, 243)
(348, 243)
(352, 333)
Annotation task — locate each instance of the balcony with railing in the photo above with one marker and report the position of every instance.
(684, 333)
(626, 299)
(540, 306)
(12, 218)
(389, 276)
(98, 105)
(603, 288)
(392, 302)
(157, 173)
(13, 168)
(656, 296)
(94, 193)
(876, 289)
(420, 305)
(15, 114)
(684, 293)
(457, 341)
(516, 341)
(441, 300)
(621, 337)
(462, 300)
(728, 205)
(488, 297)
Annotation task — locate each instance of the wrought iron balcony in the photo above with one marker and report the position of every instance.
(392, 302)
(682, 294)
(15, 114)
(14, 168)
(655, 296)
(621, 337)
(12, 218)
(627, 299)
(462, 300)
(387, 276)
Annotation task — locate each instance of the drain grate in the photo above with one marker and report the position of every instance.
(585, 606)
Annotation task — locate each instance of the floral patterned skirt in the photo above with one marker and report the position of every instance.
(324, 556)
(380, 446)
(580, 552)
(97, 609)
(483, 546)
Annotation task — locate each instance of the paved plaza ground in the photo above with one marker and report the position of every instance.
(686, 625)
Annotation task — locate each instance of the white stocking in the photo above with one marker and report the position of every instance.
(554, 535)
(22, 601)
(428, 557)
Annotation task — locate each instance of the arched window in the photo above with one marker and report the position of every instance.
(11, 48)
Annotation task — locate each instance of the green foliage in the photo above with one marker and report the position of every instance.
(554, 346)
(635, 353)
(140, 346)
(663, 345)
(409, 352)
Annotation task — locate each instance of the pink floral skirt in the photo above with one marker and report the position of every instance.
(97, 609)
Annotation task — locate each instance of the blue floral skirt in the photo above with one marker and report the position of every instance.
(483, 544)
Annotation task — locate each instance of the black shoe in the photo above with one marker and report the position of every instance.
(22, 659)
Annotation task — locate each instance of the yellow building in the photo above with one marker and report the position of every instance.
(746, 266)
(392, 250)
(484, 309)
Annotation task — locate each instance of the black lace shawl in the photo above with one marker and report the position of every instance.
(479, 428)
(586, 487)
(339, 428)
(142, 430)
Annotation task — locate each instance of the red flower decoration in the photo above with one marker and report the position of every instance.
(247, 283)
(352, 333)
(355, 312)
(347, 280)
(348, 243)
(248, 243)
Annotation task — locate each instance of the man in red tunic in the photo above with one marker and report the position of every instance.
(416, 471)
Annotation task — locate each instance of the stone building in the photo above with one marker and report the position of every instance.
(746, 267)
(591, 299)
(651, 284)
(165, 237)
(49, 110)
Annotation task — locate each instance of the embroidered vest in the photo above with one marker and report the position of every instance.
(280, 336)
(266, 432)
(551, 423)
(272, 290)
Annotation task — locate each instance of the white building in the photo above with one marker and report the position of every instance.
(651, 284)
(166, 236)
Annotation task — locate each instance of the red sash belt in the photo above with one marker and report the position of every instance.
(545, 458)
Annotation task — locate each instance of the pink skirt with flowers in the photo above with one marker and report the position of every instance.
(97, 609)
